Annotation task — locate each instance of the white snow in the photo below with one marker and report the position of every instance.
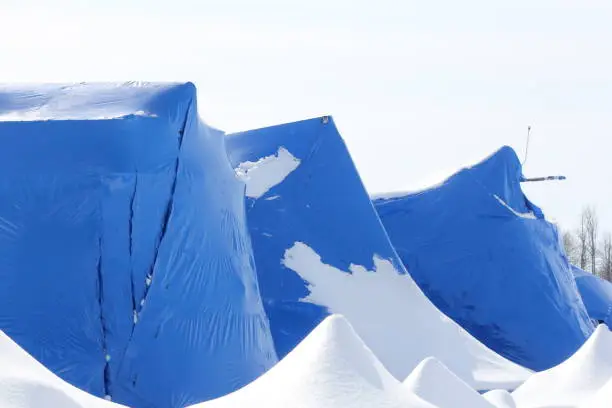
(573, 382)
(334, 368)
(331, 368)
(79, 101)
(433, 382)
(41, 114)
(431, 181)
(500, 399)
(260, 176)
(389, 195)
(398, 322)
(25, 383)
(528, 215)
(602, 399)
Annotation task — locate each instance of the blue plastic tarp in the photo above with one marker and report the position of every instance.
(486, 256)
(596, 294)
(317, 204)
(125, 263)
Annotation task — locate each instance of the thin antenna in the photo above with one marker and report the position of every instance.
(545, 178)
(527, 145)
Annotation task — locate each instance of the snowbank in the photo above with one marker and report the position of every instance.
(435, 383)
(397, 321)
(25, 383)
(574, 381)
(500, 399)
(602, 399)
(331, 368)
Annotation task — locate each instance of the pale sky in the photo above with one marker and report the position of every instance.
(417, 88)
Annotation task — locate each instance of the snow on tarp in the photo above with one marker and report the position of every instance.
(125, 261)
(25, 383)
(596, 294)
(331, 368)
(320, 249)
(487, 258)
(265, 173)
(573, 382)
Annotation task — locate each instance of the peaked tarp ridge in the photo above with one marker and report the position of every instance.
(320, 248)
(486, 256)
(596, 294)
(284, 215)
(125, 261)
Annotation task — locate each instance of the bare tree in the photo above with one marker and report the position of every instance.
(592, 234)
(570, 246)
(582, 245)
(606, 257)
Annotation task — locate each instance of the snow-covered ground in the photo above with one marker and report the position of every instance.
(573, 382)
(333, 367)
(425, 382)
(25, 383)
(500, 399)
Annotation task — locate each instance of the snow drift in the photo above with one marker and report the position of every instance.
(573, 382)
(500, 399)
(25, 383)
(126, 264)
(602, 399)
(486, 256)
(320, 249)
(331, 368)
(596, 294)
(435, 383)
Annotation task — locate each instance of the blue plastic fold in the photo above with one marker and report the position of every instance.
(321, 203)
(596, 294)
(486, 256)
(125, 261)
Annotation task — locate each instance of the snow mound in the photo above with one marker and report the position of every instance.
(25, 383)
(500, 399)
(332, 368)
(602, 399)
(260, 176)
(431, 377)
(398, 322)
(574, 381)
